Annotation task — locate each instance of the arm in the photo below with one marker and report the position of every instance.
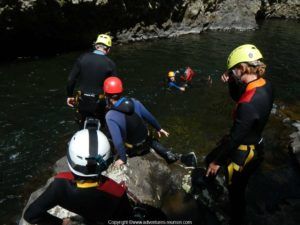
(146, 115)
(235, 91)
(37, 213)
(173, 84)
(245, 118)
(117, 138)
(73, 76)
(112, 71)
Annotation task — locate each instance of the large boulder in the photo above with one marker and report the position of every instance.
(182, 193)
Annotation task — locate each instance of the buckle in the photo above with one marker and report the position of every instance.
(89, 95)
(246, 147)
(135, 145)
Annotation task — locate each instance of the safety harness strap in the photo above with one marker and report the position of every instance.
(235, 167)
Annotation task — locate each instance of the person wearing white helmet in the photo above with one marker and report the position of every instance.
(88, 73)
(241, 151)
(83, 190)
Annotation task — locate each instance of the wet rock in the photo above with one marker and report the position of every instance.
(295, 142)
(180, 192)
(54, 21)
(284, 9)
(235, 14)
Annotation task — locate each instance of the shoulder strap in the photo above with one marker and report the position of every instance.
(65, 175)
(113, 188)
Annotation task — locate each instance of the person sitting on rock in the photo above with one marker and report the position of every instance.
(126, 124)
(83, 190)
(172, 83)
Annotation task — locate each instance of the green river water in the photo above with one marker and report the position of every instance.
(35, 122)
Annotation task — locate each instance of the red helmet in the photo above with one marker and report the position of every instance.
(113, 85)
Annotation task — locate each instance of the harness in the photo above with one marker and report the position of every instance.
(243, 155)
(79, 95)
(140, 148)
(242, 150)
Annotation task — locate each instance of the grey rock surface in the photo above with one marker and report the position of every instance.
(150, 180)
(58, 21)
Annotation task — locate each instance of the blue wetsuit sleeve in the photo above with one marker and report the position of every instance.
(147, 116)
(172, 84)
(117, 139)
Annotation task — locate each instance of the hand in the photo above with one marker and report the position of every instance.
(66, 221)
(71, 101)
(182, 88)
(162, 131)
(118, 163)
(212, 169)
(225, 77)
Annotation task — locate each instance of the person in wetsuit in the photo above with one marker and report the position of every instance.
(83, 190)
(173, 83)
(125, 121)
(241, 152)
(89, 72)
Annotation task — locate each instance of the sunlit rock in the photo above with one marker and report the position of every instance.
(180, 192)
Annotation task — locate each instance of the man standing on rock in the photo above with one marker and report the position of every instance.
(89, 72)
(241, 152)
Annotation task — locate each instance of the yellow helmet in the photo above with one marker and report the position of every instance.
(243, 53)
(104, 39)
(171, 74)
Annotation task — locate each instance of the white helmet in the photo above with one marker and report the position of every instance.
(88, 153)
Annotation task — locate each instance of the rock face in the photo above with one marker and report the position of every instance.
(52, 25)
(172, 188)
(287, 9)
(295, 142)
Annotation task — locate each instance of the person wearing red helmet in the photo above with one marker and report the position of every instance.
(125, 122)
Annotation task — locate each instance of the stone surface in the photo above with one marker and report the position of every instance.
(57, 21)
(171, 188)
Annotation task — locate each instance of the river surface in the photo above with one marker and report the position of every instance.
(35, 123)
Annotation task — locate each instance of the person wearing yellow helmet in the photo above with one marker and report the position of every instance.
(88, 73)
(241, 151)
(172, 83)
(104, 39)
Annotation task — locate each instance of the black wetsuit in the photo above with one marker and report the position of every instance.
(107, 201)
(250, 117)
(89, 72)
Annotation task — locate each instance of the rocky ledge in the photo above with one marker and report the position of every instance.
(52, 25)
(182, 193)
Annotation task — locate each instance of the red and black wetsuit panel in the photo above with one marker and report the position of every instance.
(106, 202)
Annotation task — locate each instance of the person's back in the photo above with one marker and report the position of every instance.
(256, 104)
(101, 202)
(93, 69)
(83, 190)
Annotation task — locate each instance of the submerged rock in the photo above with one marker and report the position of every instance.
(182, 193)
